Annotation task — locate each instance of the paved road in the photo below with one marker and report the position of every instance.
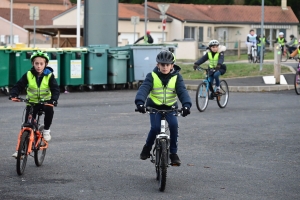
(249, 150)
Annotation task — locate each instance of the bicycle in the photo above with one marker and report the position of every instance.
(160, 153)
(253, 57)
(297, 80)
(204, 89)
(31, 138)
(284, 54)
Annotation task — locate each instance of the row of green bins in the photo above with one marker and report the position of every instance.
(96, 65)
(55, 56)
(117, 66)
(72, 67)
(6, 57)
(20, 64)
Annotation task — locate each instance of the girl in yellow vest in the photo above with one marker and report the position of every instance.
(41, 86)
(160, 90)
(215, 56)
(281, 40)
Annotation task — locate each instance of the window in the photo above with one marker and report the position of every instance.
(200, 34)
(209, 32)
(189, 32)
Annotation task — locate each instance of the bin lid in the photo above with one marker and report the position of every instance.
(99, 46)
(84, 50)
(5, 48)
(118, 52)
(51, 49)
(25, 49)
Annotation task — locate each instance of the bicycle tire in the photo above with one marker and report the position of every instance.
(254, 56)
(284, 58)
(163, 165)
(157, 163)
(39, 155)
(296, 84)
(202, 97)
(222, 99)
(22, 153)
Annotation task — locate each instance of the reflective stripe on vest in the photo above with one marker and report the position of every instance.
(262, 41)
(35, 93)
(280, 41)
(161, 95)
(213, 61)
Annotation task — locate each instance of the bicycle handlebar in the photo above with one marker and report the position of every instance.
(20, 99)
(150, 110)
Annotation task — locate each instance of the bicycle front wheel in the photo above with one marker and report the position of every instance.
(222, 99)
(163, 165)
(39, 154)
(202, 97)
(284, 57)
(297, 83)
(22, 153)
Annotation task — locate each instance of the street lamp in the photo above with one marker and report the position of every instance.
(11, 22)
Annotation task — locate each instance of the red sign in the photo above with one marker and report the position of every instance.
(164, 24)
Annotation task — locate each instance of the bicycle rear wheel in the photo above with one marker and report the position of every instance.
(201, 97)
(297, 83)
(22, 153)
(222, 99)
(39, 155)
(163, 165)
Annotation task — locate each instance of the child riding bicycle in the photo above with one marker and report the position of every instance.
(251, 40)
(41, 86)
(163, 85)
(215, 55)
(281, 40)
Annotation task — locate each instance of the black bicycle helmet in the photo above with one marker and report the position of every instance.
(165, 57)
(292, 36)
(39, 54)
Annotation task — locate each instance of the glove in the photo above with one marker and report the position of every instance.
(141, 108)
(185, 111)
(52, 102)
(195, 66)
(217, 67)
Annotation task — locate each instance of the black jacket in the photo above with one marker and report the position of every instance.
(150, 39)
(23, 82)
(147, 86)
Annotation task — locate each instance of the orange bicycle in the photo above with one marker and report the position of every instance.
(31, 138)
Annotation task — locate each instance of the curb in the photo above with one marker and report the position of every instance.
(252, 88)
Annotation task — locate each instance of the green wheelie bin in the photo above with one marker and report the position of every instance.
(5, 62)
(72, 68)
(20, 64)
(117, 67)
(55, 56)
(96, 66)
(130, 64)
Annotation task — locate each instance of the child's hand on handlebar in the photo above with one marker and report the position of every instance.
(141, 108)
(185, 111)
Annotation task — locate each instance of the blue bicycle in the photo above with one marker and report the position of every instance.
(206, 87)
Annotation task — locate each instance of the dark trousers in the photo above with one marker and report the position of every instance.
(49, 112)
(155, 129)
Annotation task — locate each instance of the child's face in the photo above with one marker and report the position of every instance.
(252, 32)
(214, 49)
(165, 68)
(39, 64)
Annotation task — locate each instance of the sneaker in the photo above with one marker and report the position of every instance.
(145, 152)
(15, 154)
(46, 135)
(211, 96)
(175, 161)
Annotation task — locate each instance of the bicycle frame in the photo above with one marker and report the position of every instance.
(207, 81)
(32, 127)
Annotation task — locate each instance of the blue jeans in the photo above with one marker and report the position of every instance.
(155, 129)
(259, 49)
(215, 76)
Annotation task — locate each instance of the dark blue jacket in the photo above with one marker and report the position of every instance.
(147, 86)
